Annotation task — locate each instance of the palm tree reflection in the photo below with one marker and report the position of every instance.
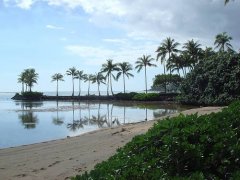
(28, 119)
(58, 120)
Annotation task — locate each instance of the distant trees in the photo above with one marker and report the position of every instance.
(57, 77)
(28, 77)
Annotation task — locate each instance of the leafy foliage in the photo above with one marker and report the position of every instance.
(32, 95)
(215, 80)
(146, 97)
(125, 96)
(183, 147)
(173, 80)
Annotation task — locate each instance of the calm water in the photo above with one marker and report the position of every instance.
(24, 123)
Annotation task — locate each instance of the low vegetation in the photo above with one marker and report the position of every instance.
(183, 147)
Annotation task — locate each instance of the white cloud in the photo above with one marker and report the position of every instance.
(49, 26)
(23, 4)
(127, 52)
(115, 40)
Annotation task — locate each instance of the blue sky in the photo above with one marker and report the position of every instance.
(54, 35)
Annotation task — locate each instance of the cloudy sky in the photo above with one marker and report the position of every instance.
(54, 35)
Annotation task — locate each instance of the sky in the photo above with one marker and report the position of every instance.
(55, 35)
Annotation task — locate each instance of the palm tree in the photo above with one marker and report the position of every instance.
(22, 79)
(88, 78)
(223, 40)
(80, 76)
(194, 50)
(31, 78)
(99, 79)
(161, 53)
(57, 77)
(124, 69)
(144, 62)
(108, 68)
(72, 72)
(168, 46)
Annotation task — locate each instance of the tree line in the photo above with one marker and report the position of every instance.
(168, 53)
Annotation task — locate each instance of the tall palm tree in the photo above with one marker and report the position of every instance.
(88, 78)
(99, 79)
(222, 40)
(161, 54)
(168, 46)
(57, 77)
(193, 48)
(109, 68)
(72, 72)
(144, 61)
(31, 78)
(80, 76)
(124, 69)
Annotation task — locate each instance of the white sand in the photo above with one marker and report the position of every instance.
(61, 159)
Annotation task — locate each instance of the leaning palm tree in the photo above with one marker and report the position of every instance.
(57, 77)
(124, 69)
(72, 72)
(99, 79)
(144, 62)
(80, 76)
(31, 78)
(108, 68)
(89, 79)
(223, 40)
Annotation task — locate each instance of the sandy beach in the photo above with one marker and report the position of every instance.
(61, 159)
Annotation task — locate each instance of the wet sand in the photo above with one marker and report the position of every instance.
(61, 159)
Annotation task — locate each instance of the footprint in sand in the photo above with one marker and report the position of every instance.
(21, 175)
(56, 162)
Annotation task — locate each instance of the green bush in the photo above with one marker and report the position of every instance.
(183, 147)
(214, 81)
(125, 96)
(146, 97)
(32, 95)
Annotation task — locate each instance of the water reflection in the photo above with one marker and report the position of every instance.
(58, 121)
(28, 119)
(78, 115)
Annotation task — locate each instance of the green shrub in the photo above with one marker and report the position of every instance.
(32, 95)
(146, 97)
(125, 96)
(183, 147)
(214, 81)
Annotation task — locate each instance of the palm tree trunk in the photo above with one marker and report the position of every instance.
(169, 56)
(79, 87)
(99, 90)
(73, 86)
(111, 84)
(145, 78)
(165, 83)
(124, 83)
(22, 87)
(107, 85)
(57, 88)
(88, 86)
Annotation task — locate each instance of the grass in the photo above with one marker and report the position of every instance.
(183, 147)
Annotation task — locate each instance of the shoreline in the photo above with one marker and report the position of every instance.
(63, 158)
